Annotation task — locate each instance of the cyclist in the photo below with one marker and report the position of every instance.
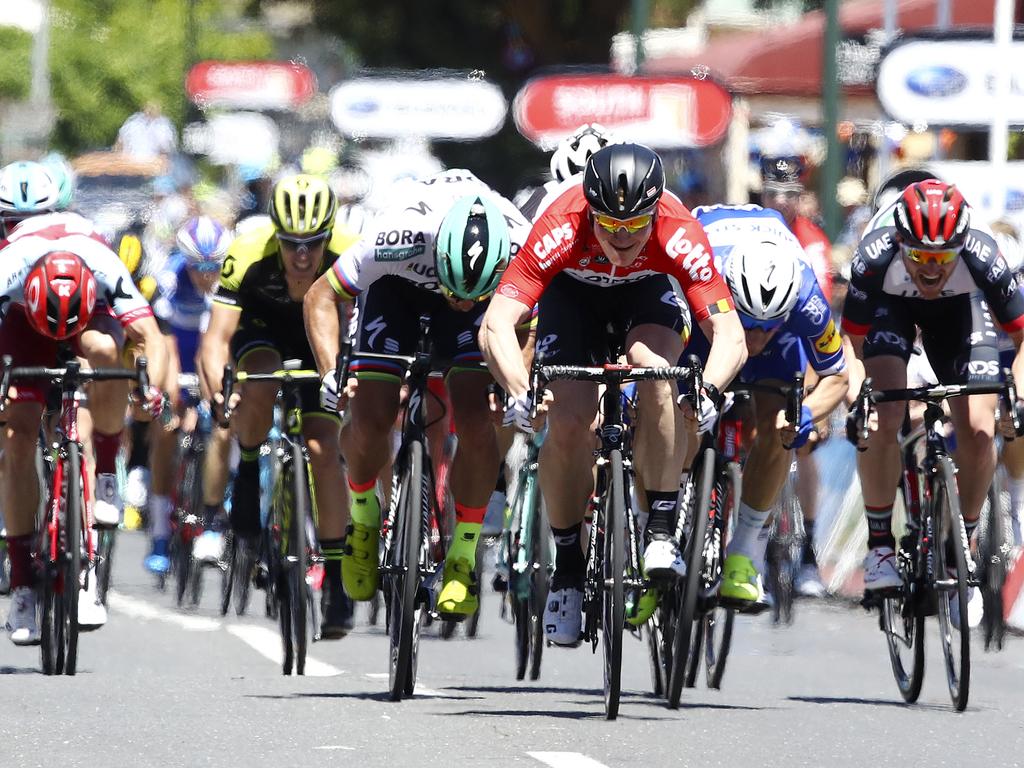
(783, 185)
(56, 268)
(934, 270)
(438, 248)
(603, 252)
(26, 189)
(256, 322)
(63, 176)
(788, 324)
(185, 286)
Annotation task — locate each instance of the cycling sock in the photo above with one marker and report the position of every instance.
(1015, 485)
(332, 550)
(365, 505)
(662, 506)
(569, 561)
(749, 522)
(106, 448)
(880, 527)
(140, 445)
(970, 526)
(245, 493)
(761, 547)
(809, 558)
(211, 512)
(160, 517)
(468, 522)
(19, 550)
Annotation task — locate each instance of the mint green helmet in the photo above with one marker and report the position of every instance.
(473, 248)
(63, 176)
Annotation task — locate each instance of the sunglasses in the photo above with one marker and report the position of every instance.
(310, 242)
(919, 256)
(753, 324)
(206, 267)
(613, 225)
(452, 297)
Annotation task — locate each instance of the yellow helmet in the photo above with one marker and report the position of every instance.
(302, 205)
(129, 250)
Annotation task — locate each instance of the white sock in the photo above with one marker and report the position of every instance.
(160, 517)
(1015, 485)
(761, 547)
(749, 523)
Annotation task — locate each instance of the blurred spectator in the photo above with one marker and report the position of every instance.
(1008, 238)
(852, 195)
(147, 135)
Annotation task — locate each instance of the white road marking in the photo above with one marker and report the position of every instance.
(566, 760)
(336, 746)
(140, 609)
(419, 688)
(268, 643)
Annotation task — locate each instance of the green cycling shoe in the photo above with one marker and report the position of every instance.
(459, 595)
(741, 580)
(359, 562)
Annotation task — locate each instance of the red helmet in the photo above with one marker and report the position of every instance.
(60, 294)
(932, 215)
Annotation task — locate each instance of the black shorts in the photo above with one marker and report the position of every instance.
(958, 334)
(389, 324)
(287, 339)
(574, 317)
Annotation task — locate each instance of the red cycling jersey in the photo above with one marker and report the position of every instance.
(818, 250)
(563, 240)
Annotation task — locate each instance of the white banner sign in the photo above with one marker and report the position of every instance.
(948, 82)
(440, 108)
(974, 179)
(242, 138)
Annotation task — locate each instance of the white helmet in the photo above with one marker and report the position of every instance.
(27, 189)
(571, 155)
(764, 277)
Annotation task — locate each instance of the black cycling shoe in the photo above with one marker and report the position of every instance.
(338, 612)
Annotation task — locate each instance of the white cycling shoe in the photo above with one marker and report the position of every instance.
(92, 614)
(22, 627)
(106, 509)
(808, 582)
(880, 570)
(208, 548)
(563, 616)
(663, 560)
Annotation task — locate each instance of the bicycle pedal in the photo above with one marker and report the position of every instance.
(746, 607)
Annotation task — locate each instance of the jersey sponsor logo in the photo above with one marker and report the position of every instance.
(815, 309)
(978, 248)
(373, 329)
(695, 259)
(545, 347)
(980, 368)
(888, 339)
(448, 178)
(997, 270)
(398, 254)
(859, 267)
(404, 237)
(875, 249)
(421, 208)
(856, 293)
(550, 241)
(829, 342)
(423, 270)
(1011, 288)
(509, 290)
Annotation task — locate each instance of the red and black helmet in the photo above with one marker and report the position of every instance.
(932, 215)
(60, 294)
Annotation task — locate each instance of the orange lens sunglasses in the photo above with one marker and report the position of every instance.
(613, 225)
(920, 256)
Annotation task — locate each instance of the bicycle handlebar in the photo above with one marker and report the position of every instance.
(70, 376)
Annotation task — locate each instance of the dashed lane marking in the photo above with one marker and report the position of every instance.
(566, 760)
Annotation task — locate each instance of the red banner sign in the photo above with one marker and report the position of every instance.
(661, 111)
(250, 84)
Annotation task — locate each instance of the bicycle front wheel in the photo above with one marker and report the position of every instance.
(687, 594)
(404, 576)
(297, 557)
(951, 584)
(718, 621)
(73, 542)
(993, 554)
(613, 615)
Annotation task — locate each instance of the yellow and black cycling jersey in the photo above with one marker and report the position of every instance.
(252, 277)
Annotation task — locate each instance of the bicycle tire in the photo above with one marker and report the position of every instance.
(181, 559)
(539, 584)
(652, 636)
(904, 632)
(104, 563)
(404, 579)
(613, 596)
(523, 512)
(51, 611)
(993, 551)
(227, 572)
(73, 533)
(718, 623)
(949, 520)
(686, 597)
(298, 556)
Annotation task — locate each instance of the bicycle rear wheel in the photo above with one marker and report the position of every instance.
(297, 556)
(73, 543)
(403, 577)
(951, 579)
(687, 594)
(228, 568)
(613, 613)
(993, 554)
(540, 578)
(718, 621)
(104, 563)
(903, 625)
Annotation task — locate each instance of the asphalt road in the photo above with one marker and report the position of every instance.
(163, 687)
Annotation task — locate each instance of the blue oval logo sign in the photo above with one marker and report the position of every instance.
(936, 82)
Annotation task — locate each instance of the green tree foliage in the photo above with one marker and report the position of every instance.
(109, 57)
(15, 73)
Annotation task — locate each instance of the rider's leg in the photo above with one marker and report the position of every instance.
(974, 421)
(163, 454)
(1013, 460)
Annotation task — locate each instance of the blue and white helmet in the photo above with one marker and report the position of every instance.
(764, 277)
(204, 243)
(27, 189)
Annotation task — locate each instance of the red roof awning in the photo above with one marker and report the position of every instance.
(788, 59)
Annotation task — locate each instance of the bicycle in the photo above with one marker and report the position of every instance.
(412, 551)
(65, 546)
(933, 557)
(613, 582)
(292, 553)
(994, 559)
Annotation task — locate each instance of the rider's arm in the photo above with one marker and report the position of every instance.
(827, 394)
(215, 349)
(145, 334)
(728, 348)
(500, 345)
(320, 312)
(853, 349)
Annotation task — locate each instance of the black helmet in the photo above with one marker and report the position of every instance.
(890, 188)
(624, 180)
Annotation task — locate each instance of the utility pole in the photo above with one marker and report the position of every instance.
(831, 93)
(190, 113)
(641, 16)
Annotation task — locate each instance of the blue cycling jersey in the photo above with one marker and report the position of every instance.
(809, 332)
(180, 304)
